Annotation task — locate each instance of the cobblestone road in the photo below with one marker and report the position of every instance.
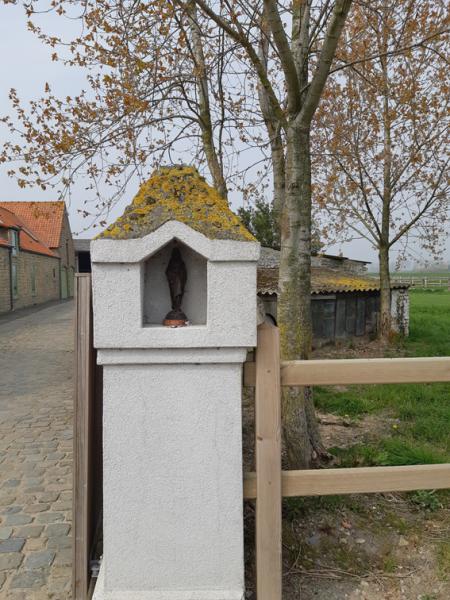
(36, 363)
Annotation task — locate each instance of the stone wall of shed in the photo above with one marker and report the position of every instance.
(5, 280)
(400, 311)
(47, 279)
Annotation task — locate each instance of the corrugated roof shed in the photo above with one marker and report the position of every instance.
(323, 280)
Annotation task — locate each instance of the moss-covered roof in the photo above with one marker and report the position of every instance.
(323, 281)
(178, 193)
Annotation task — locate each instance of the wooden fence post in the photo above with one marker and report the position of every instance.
(268, 464)
(84, 391)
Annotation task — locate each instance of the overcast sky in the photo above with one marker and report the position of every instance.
(26, 66)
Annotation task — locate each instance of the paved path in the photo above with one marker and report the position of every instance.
(36, 364)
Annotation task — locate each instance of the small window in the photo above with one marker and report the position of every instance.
(33, 280)
(15, 289)
(14, 241)
(54, 273)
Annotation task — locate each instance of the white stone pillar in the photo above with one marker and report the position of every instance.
(172, 518)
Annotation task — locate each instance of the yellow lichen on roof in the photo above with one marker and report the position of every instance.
(322, 281)
(178, 193)
(328, 279)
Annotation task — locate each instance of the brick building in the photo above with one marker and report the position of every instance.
(49, 222)
(5, 274)
(29, 270)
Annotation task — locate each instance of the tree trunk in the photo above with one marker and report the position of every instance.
(201, 77)
(279, 178)
(383, 250)
(385, 292)
(300, 428)
(273, 127)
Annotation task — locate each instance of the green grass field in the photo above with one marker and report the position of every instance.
(420, 433)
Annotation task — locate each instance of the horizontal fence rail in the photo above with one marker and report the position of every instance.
(358, 371)
(359, 480)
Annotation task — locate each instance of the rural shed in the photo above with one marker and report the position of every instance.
(346, 300)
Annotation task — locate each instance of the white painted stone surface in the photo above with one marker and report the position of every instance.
(119, 321)
(173, 521)
(142, 356)
(101, 594)
(134, 250)
(120, 308)
(173, 493)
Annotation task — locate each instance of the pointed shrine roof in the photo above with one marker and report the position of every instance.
(178, 193)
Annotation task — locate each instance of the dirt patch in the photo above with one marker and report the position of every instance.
(360, 348)
(384, 551)
(342, 432)
(373, 547)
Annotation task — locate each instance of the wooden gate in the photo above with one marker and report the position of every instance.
(87, 456)
(269, 484)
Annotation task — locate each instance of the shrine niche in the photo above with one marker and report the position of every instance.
(157, 298)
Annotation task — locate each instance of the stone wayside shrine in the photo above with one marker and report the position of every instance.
(167, 278)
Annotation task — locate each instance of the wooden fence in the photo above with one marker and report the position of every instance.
(87, 472)
(424, 282)
(269, 484)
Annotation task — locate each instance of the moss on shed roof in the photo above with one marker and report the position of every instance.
(323, 281)
(178, 193)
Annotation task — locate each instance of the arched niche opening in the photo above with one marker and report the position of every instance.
(156, 301)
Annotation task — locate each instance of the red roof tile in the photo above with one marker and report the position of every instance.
(45, 219)
(27, 238)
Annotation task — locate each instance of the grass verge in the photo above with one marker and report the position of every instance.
(419, 432)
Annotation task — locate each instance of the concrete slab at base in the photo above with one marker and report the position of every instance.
(101, 594)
